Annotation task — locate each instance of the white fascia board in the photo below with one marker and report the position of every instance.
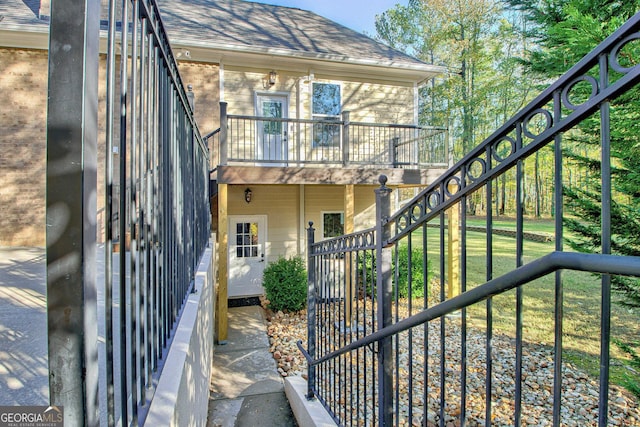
(239, 55)
(25, 36)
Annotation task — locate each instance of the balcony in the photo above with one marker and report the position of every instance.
(286, 150)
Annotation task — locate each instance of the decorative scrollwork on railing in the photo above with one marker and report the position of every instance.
(566, 99)
(573, 97)
(348, 243)
(529, 121)
(614, 55)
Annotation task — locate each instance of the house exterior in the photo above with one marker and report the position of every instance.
(303, 115)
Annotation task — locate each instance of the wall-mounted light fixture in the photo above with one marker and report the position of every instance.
(247, 195)
(272, 78)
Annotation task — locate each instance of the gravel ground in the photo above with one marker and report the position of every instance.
(579, 395)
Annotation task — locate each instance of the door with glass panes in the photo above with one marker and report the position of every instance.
(272, 139)
(247, 236)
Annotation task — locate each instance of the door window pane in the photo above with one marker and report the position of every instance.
(247, 240)
(272, 109)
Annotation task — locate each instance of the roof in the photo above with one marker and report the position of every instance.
(20, 12)
(240, 32)
(244, 26)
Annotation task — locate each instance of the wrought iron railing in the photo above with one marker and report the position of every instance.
(164, 165)
(157, 167)
(393, 337)
(269, 141)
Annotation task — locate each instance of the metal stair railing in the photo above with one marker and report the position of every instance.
(381, 354)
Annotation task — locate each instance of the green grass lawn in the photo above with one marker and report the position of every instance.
(582, 296)
(533, 225)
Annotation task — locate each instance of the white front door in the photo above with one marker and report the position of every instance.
(247, 236)
(271, 138)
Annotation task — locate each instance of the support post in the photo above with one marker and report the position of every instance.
(223, 269)
(72, 116)
(384, 295)
(349, 269)
(224, 141)
(311, 310)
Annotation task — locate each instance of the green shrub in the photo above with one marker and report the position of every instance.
(285, 284)
(417, 272)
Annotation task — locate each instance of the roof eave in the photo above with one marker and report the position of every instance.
(240, 55)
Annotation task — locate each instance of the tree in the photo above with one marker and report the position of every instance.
(566, 30)
(481, 44)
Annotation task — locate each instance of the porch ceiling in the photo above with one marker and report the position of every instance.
(339, 176)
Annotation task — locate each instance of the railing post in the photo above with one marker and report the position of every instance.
(224, 143)
(191, 98)
(393, 150)
(384, 296)
(72, 141)
(345, 138)
(311, 310)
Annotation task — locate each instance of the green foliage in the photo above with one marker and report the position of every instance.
(285, 284)
(401, 273)
(566, 30)
(632, 381)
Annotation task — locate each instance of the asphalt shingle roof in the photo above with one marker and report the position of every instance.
(261, 27)
(249, 27)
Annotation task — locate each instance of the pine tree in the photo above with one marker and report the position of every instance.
(566, 30)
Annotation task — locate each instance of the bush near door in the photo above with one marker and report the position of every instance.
(285, 284)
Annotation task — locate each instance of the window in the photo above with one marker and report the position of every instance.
(325, 106)
(247, 239)
(272, 109)
(332, 224)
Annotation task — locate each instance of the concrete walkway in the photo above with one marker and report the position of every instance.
(24, 368)
(246, 389)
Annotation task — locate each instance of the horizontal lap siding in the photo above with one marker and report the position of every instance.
(322, 198)
(378, 103)
(280, 203)
(365, 207)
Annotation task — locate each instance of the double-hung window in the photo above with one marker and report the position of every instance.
(325, 107)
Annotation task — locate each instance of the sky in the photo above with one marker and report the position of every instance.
(359, 15)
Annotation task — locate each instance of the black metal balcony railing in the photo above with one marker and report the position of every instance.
(156, 169)
(377, 357)
(268, 141)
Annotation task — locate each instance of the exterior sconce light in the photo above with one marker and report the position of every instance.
(247, 195)
(272, 78)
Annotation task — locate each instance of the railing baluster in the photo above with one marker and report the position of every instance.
(605, 325)
(109, 306)
(559, 207)
(442, 358)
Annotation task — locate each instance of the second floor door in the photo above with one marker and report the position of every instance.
(272, 138)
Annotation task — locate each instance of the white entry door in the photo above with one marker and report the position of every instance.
(247, 236)
(272, 144)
